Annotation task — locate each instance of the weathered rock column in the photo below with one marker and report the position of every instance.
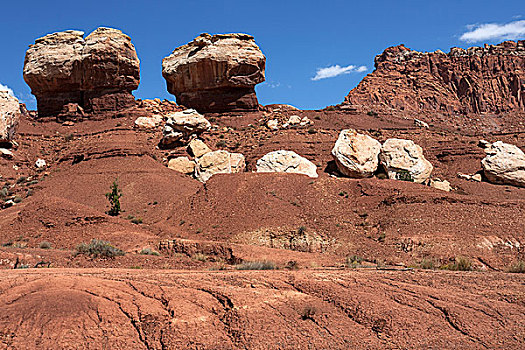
(216, 73)
(97, 73)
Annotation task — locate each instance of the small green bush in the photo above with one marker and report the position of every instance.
(220, 144)
(353, 261)
(308, 312)
(517, 267)
(200, 257)
(97, 248)
(149, 251)
(136, 221)
(45, 245)
(460, 264)
(404, 175)
(257, 265)
(372, 114)
(330, 108)
(114, 199)
(427, 264)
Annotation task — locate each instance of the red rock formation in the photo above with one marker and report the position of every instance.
(476, 80)
(70, 75)
(216, 73)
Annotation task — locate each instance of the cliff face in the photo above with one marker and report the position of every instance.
(479, 79)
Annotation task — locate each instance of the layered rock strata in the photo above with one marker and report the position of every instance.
(216, 73)
(70, 74)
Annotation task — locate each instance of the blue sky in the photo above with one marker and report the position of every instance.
(299, 38)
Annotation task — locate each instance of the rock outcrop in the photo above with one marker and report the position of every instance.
(181, 127)
(218, 162)
(404, 160)
(356, 155)
(96, 73)
(479, 79)
(182, 165)
(504, 164)
(10, 113)
(286, 162)
(216, 73)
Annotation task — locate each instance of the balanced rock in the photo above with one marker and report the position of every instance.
(286, 162)
(96, 73)
(216, 73)
(404, 160)
(182, 165)
(218, 162)
(504, 164)
(356, 155)
(180, 127)
(10, 113)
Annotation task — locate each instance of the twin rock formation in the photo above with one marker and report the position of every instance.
(216, 73)
(70, 74)
(75, 76)
(476, 80)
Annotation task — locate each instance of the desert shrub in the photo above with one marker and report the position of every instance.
(200, 257)
(292, 265)
(301, 230)
(220, 143)
(97, 248)
(330, 108)
(149, 251)
(114, 199)
(136, 221)
(312, 131)
(427, 264)
(17, 199)
(404, 175)
(4, 192)
(257, 265)
(353, 261)
(372, 114)
(517, 267)
(460, 264)
(308, 312)
(45, 245)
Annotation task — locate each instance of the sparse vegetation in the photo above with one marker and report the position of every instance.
(257, 265)
(200, 257)
(459, 264)
(330, 108)
(426, 264)
(114, 199)
(301, 230)
(353, 261)
(97, 248)
(372, 114)
(308, 312)
(136, 221)
(517, 267)
(45, 245)
(220, 144)
(149, 251)
(404, 175)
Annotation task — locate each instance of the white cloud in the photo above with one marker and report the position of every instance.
(494, 31)
(6, 88)
(334, 71)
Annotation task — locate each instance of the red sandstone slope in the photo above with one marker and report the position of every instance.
(480, 79)
(94, 309)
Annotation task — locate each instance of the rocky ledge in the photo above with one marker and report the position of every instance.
(477, 80)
